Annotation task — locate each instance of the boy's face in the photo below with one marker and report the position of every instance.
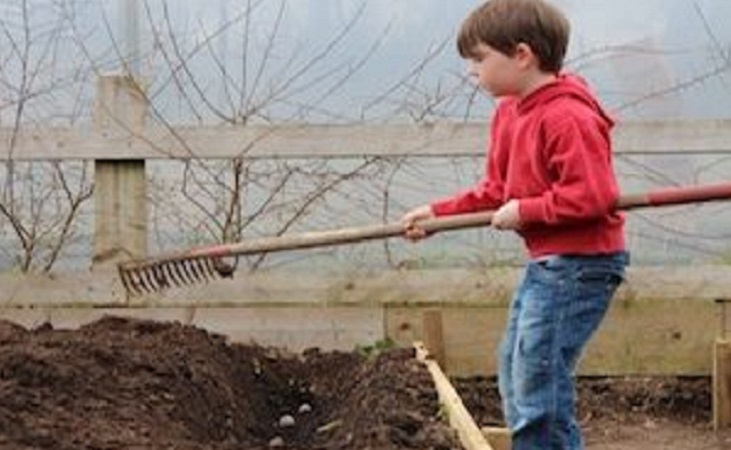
(496, 72)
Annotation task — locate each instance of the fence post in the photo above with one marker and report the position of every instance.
(120, 192)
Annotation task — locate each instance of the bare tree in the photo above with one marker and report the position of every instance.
(231, 198)
(40, 201)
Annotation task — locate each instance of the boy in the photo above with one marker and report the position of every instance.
(549, 176)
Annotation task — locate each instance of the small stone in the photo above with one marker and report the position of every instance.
(286, 421)
(276, 442)
(304, 408)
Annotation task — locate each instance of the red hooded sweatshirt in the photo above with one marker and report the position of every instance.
(552, 152)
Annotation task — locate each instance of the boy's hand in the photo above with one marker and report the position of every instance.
(507, 217)
(412, 230)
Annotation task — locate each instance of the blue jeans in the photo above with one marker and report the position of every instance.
(556, 309)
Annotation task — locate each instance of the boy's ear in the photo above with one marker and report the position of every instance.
(524, 54)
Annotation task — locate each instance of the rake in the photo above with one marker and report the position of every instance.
(197, 265)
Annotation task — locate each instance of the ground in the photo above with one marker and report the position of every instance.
(125, 383)
(627, 413)
(136, 384)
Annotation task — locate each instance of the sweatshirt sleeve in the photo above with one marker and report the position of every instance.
(578, 153)
(487, 193)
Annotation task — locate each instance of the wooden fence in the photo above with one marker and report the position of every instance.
(664, 320)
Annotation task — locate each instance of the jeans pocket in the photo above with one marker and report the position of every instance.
(604, 273)
(549, 270)
(597, 283)
(610, 277)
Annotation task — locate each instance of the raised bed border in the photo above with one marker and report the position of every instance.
(470, 435)
(664, 321)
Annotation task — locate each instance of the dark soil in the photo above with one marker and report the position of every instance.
(608, 399)
(133, 384)
(123, 383)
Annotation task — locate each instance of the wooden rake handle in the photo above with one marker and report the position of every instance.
(676, 196)
(341, 236)
(155, 274)
(663, 197)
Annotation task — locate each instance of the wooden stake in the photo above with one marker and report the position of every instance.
(721, 384)
(459, 418)
(433, 337)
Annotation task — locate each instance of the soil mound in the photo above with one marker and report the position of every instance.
(130, 383)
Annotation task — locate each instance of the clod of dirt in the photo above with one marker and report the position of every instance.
(129, 383)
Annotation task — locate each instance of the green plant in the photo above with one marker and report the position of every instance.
(379, 346)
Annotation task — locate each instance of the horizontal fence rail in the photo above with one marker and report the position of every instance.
(331, 141)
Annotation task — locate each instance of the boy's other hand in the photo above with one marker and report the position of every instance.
(410, 222)
(507, 217)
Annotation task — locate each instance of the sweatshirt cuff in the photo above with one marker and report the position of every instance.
(443, 208)
(531, 210)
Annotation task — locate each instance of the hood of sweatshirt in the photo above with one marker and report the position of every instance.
(566, 85)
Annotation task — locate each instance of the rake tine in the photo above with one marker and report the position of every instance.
(202, 265)
(178, 266)
(200, 269)
(134, 279)
(212, 266)
(160, 278)
(139, 274)
(171, 273)
(205, 266)
(194, 270)
(166, 275)
(127, 281)
(151, 276)
(161, 281)
(188, 271)
(146, 279)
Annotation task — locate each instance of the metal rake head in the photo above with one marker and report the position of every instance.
(150, 276)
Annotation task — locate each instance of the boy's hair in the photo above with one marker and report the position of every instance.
(503, 24)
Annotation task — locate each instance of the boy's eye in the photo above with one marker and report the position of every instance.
(480, 56)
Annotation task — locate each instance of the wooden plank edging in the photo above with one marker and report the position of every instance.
(480, 287)
(460, 419)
